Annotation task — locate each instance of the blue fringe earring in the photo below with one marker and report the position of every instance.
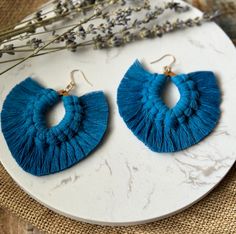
(165, 129)
(40, 150)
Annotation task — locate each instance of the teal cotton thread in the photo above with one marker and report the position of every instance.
(165, 129)
(40, 150)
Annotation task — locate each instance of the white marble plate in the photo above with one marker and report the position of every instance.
(123, 182)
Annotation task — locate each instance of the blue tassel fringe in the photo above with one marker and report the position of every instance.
(40, 150)
(163, 129)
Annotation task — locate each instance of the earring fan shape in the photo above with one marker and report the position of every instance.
(165, 129)
(40, 150)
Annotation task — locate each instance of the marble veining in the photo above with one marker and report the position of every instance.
(215, 49)
(196, 43)
(106, 164)
(122, 182)
(149, 196)
(66, 181)
(130, 180)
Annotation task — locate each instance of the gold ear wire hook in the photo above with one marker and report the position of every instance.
(72, 76)
(168, 68)
(72, 84)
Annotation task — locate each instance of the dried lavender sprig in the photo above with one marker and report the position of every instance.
(38, 33)
(36, 55)
(6, 50)
(32, 26)
(47, 52)
(120, 39)
(108, 40)
(123, 37)
(39, 14)
(49, 43)
(121, 18)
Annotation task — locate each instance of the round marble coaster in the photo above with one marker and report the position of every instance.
(123, 182)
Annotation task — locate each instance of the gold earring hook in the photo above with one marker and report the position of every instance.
(72, 84)
(168, 68)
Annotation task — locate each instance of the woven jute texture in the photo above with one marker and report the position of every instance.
(11, 11)
(215, 214)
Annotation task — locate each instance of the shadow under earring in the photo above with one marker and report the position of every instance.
(40, 150)
(165, 129)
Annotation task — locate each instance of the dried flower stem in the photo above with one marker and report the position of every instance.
(4, 35)
(36, 55)
(47, 44)
(113, 29)
(40, 33)
(68, 26)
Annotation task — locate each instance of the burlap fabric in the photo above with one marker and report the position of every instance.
(215, 214)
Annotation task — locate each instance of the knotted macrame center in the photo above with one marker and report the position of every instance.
(41, 150)
(154, 104)
(165, 129)
(170, 94)
(65, 129)
(55, 114)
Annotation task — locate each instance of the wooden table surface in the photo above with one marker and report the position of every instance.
(9, 223)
